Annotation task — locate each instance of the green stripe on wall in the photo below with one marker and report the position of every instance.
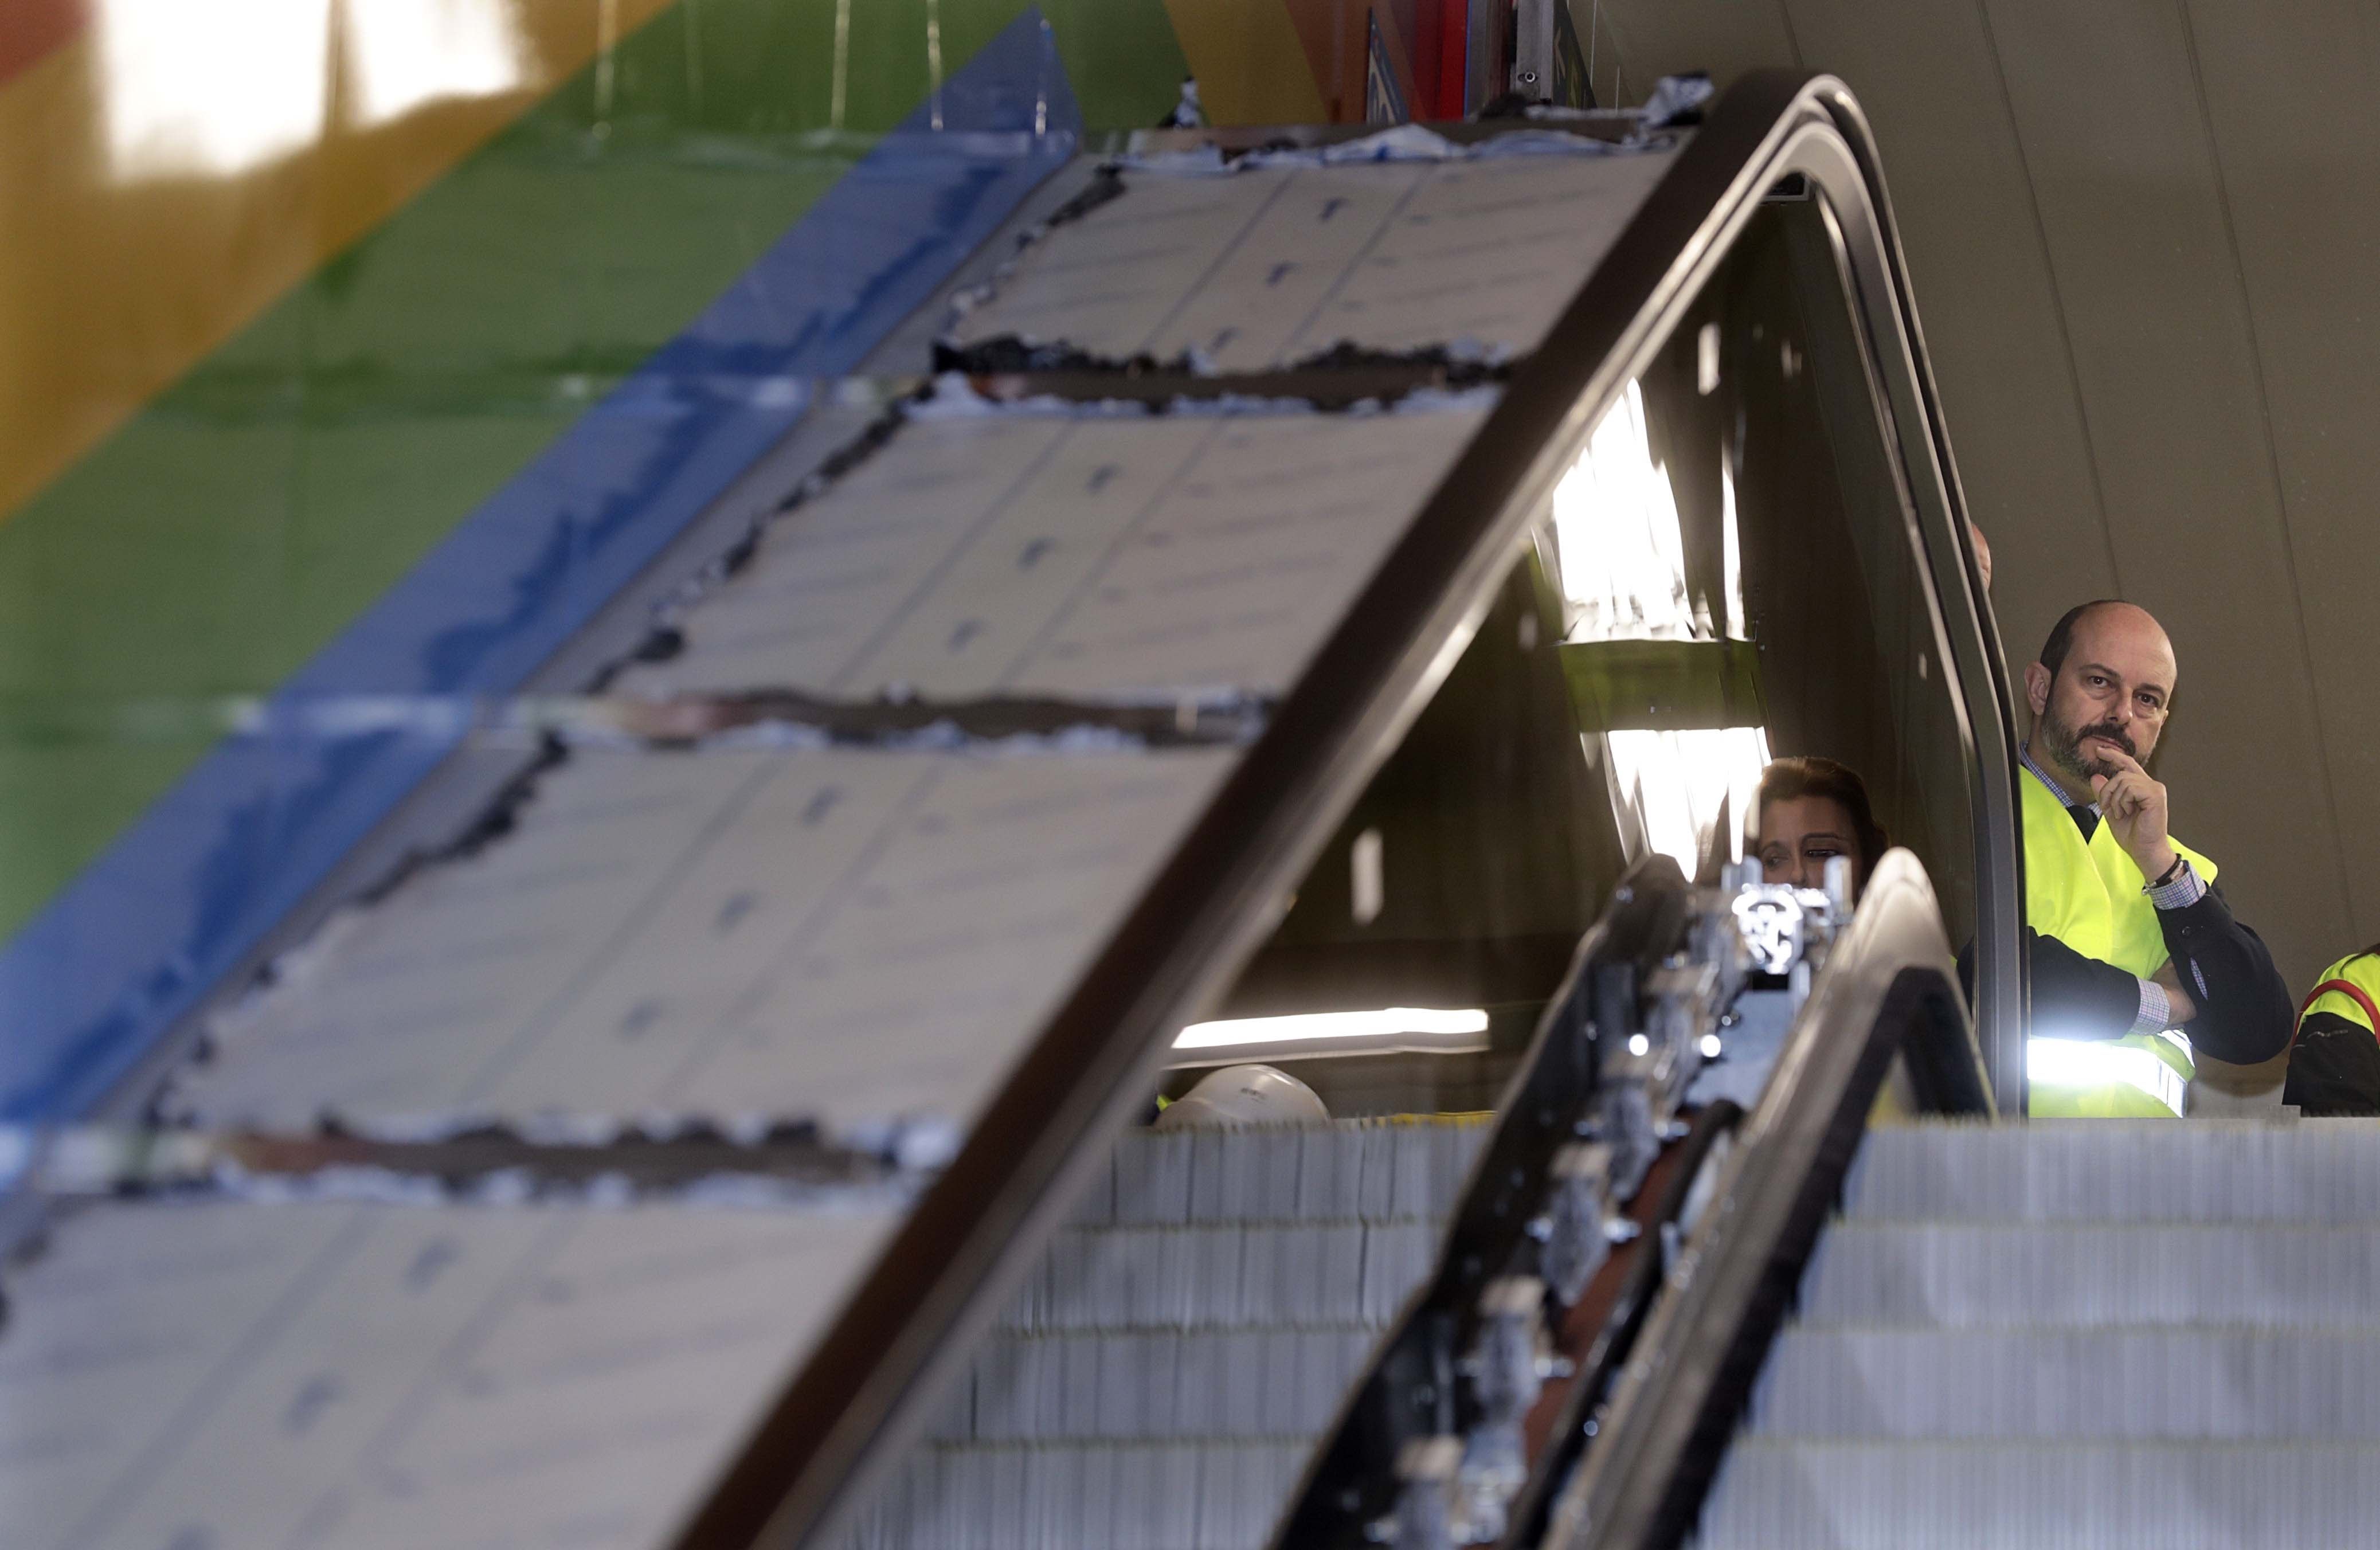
(247, 516)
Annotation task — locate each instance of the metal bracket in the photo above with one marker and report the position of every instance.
(1533, 49)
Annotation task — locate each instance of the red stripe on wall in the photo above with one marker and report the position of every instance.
(1454, 36)
(1425, 61)
(31, 29)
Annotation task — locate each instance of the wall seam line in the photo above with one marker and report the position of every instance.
(2057, 298)
(1793, 37)
(2272, 452)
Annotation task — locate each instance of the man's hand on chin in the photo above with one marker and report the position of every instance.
(2133, 803)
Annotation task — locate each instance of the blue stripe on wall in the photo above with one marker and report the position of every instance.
(131, 945)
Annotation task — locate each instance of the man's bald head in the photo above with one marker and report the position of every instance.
(2105, 678)
(2060, 644)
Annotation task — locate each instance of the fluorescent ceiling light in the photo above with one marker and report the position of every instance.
(1384, 1024)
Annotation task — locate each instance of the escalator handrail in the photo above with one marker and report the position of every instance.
(1890, 987)
(1878, 269)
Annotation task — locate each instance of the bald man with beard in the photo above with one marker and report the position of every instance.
(2137, 960)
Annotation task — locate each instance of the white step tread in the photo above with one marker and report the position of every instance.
(1783, 1494)
(1158, 1386)
(2313, 1171)
(2101, 1385)
(1342, 1171)
(1960, 1274)
(1204, 1278)
(1201, 1495)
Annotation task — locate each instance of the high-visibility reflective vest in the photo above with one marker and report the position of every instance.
(2089, 895)
(2349, 988)
(2335, 1069)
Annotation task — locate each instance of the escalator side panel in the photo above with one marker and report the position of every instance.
(2106, 1333)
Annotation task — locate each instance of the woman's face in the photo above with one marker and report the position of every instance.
(1799, 834)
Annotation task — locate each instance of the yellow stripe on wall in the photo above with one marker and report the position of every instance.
(1251, 64)
(174, 170)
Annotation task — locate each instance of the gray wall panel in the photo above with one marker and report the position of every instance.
(2296, 125)
(1654, 38)
(1930, 78)
(2107, 105)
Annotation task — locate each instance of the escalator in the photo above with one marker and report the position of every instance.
(1332, 593)
(2107, 1333)
(1162, 1377)
(1770, 584)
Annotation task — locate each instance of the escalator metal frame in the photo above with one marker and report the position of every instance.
(1890, 988)
(1410, 1392)
(826, 1442)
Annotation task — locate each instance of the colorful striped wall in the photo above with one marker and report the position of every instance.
(361, 346)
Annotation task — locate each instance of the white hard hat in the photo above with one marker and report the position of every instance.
(1236, 1096)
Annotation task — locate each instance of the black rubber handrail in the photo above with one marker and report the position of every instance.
(1890, 988)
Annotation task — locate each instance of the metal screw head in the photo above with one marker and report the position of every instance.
(1528, 77)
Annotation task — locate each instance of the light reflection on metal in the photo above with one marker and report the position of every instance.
(1770, 916)
(1732, 560)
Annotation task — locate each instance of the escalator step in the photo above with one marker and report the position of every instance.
(1222, 1277)
(1202, 1495)
(2121, 1171)
(1344, 1170)
(1158, 1379)
(1779, 1494)
(1160, 1385)
(1960, 1274)
(2093, 1333)
(2096, 1384)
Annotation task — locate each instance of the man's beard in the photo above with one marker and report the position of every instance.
(2065, 746)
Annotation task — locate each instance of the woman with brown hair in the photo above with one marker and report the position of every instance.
(1811, 810)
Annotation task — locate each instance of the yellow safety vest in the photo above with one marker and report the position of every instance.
(2360, 970)
(2089, 895)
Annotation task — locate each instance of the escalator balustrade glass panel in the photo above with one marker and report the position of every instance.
(1742, 578)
